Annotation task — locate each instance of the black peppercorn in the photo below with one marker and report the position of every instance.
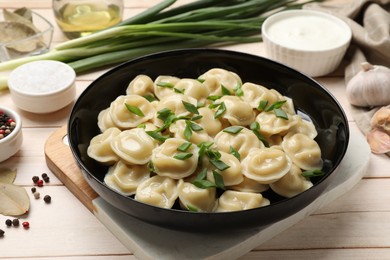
(8, 222)
(33, 189)
(35, 179)
(1, 233)
(44, 175)
(15, 222)
(47, 199)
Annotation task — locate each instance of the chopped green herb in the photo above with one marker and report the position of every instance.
(262, 105)
(225, 91)
(195, 127)
(150, 166)
(190, 107)
(197, 117)
(157, 136)
(238, 91)
(150, 98)
(275, 105)
(192, 208)
(184, 147)
(203, 184)
(313, 173)
(180, 91)
(141, 126)
(187, 131)
(235, 153)
(165, 85)
(183, 156)
(233, 129)
(134, 110)
(255, 127)
(214, 97)
(213, 154)
(280, 113)
(219, 183)
(220, 165)
(164, 113)
(202, 174)
(220, 111)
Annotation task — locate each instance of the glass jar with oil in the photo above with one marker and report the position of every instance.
(81, 17)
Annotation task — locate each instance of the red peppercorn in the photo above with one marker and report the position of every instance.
(25, 224)
(40, 183)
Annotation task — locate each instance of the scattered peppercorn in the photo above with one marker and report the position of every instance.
(15, 222)
(47, 199)
(8, 222)
(2, 232)
(44, 175)
(35, 179)
(7, 125)
(37, 195)
(25, 224)
(40, 183)
(33, 189)
(46, 179)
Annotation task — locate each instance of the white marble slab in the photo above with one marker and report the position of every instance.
(147, 241)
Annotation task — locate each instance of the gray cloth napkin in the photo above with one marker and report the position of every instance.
(370, 25)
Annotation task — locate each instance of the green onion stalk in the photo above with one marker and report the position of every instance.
(160, 28)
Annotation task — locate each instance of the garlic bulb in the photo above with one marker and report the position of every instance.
(379, 136)
(370, 86)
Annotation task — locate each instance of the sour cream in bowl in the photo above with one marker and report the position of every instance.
(310, 41)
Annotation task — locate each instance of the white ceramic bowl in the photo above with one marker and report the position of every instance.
(42, 86)
(310, 41)
(11, 144)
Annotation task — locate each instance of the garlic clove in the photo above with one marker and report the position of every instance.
(370, 86)
(381, 119)
(379, 141)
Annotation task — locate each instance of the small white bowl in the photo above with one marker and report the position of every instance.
(42, 86)
(11, 144)
(309, 41)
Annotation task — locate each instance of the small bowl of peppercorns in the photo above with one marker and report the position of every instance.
(11, 137)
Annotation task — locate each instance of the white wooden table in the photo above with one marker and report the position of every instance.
(355, 226)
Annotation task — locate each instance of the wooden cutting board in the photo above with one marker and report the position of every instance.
(147, 241)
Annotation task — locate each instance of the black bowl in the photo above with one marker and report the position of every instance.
(309, 98)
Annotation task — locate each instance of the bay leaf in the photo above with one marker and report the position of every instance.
(14, 200)
(7, 175)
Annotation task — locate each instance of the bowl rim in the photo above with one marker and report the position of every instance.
(90, 177)
(288, 13)
(14, 115)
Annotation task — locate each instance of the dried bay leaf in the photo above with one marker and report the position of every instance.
(7, 175)
(14, 200)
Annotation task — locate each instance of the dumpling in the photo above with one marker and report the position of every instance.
(249, 185)
(197, 137)
(210, 124)
(304, 127)
(238, 200)
(303, 151)
(242, 142)
(196, 199)
(232, 175)
(238, 112)
(123, 118)
(104, 120)
(288, 106)
(100, 146)
(134, 146)
(193, 88)
(266, 165)
(270, 124)
(228, 79)
(291, 184)
(165, 163)
(141, 85)
(158, 191)
(164, 86)
(254, 93)
(126, 178)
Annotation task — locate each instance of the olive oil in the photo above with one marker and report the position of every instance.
(79, 19)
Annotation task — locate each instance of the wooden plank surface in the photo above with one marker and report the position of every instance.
(356, 226)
